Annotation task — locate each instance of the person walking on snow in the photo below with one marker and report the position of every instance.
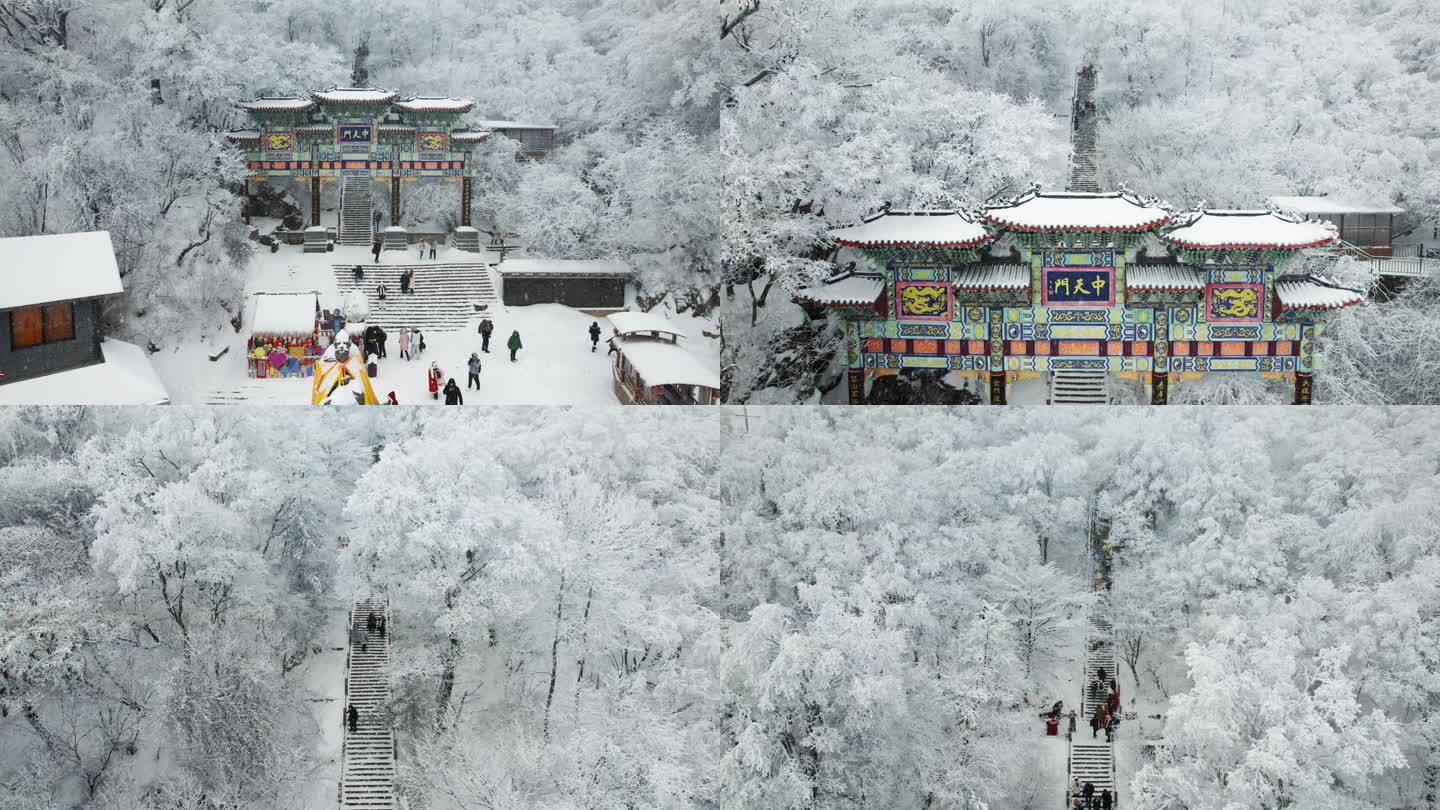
(405, 343)
(452, 393)
(594, 336)
(432, 249)
(358, 272)
(486, 327)
(421, 245)
(434, 381)
(1114, 701)
(474, 372)
(375, 219)
(1106, 800)
(514, 344)
(370, 622)
(381, 624)
(381, 338)
(352, 717)
(1094, 724)
(375, 249)
(380, 291)
(611, 341)
(1072, 723)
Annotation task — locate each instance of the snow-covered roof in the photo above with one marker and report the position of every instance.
(1164, 278)
(240, 135)
(994, 277)
(1078, 212)
(315, 128)
(845, 291)
(124, 378)
(284, 314)
(941, 228)
(662, 363)
(512, 125)
(628, 322)
(449, 105)
(468, 136)
(356, 95)
(1250, 230)
(397, 127)
(286, 104)
(564, 267)
(1317, 206)
(57, 267)
(1309, 293)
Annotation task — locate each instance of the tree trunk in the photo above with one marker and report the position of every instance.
(554, 657)
(447, 682)
(584, 636)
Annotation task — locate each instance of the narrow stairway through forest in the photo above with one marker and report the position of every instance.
(368, 764)
(1092, 759)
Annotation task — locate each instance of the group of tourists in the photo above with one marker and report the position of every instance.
(1107, 715)
(1083, 797)
(374, 626)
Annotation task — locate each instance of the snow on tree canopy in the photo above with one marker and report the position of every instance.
(920, 228)
(1250, 230)
(1309, 293)
(284, 314)
(852, 290)
(450, 105)
(356, 95)
(57, 267)
(1078, 212)
(512, 125)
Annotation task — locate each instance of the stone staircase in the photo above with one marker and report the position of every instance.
(368, 764)
(1084, 119)
(1069, 387)
(1092, 759)
(443, 300)
(356, 226)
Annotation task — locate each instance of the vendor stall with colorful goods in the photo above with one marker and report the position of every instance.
(284, 335)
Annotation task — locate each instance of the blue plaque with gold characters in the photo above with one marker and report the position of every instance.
(355, 134)
(1079, 286)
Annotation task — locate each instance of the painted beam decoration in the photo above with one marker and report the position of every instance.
(355, 134)
(1234, 303)
(432, 141)
(278, 141)
(923, 301)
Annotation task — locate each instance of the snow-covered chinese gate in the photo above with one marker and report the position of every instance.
(357, 134)
(1057, 283)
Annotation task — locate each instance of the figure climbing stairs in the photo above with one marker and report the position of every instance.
(368, 765)
(356, 225)
(1092, 759)
(444, 297)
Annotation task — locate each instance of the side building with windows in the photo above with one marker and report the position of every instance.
(53, 348)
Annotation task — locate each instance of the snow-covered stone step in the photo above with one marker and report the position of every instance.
(368, 765)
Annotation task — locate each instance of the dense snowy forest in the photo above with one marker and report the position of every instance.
(836, 108)
(171, 585)
(901, 588)
(111, 116)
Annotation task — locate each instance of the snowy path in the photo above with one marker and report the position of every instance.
(368, 766)
(1092, 759)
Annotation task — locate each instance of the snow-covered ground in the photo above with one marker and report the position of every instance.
(555, 366)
